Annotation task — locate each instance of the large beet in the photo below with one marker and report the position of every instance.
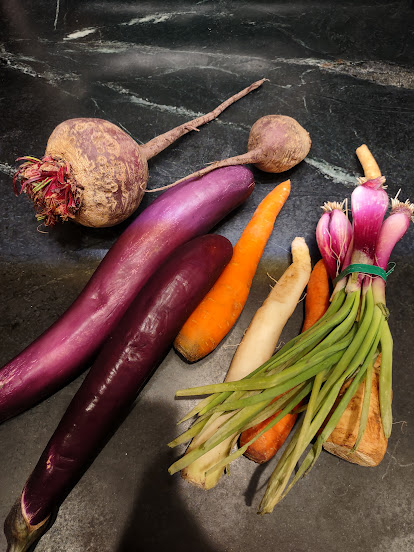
(106, 167)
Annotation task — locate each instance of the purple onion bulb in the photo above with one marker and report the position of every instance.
(369, 203)
(333, 235)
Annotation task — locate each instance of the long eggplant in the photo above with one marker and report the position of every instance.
(125, 362)
(61, 353)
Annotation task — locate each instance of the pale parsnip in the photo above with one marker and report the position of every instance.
(373, 445)
(195, 473)
(262, 336)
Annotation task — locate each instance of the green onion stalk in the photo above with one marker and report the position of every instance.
(341, 347)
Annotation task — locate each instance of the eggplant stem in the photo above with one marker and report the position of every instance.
(20, 535)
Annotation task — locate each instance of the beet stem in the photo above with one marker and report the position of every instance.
(159, 143)
(249, 157)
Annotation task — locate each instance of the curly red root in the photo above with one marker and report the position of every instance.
(49, 184)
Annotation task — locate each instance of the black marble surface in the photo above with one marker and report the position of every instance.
(345, 72)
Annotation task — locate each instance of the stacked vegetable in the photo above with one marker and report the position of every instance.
(94, 173)
(134, 349)
(144, 290)
(340, 348)
(64, 349)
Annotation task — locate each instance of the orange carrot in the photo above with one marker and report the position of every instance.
(267, 445)
(317, 295)
(217, 313)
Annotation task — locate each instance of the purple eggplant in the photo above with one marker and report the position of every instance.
(61, 353)
(125, 362)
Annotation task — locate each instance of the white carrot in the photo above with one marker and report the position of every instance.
(262, 336)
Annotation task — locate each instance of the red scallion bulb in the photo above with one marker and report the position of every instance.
(392, 230)
(333, 235)
(369, 203)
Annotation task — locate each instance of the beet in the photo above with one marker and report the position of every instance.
(276, 144)
(93, 172)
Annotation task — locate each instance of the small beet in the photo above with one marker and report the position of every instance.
(276, 144)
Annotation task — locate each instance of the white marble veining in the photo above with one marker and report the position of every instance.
(381, 73)
(332, 172)
(154, 18)
(80, 34)
(22, 63)
(134, 98)
(56, 14)
(176, 110)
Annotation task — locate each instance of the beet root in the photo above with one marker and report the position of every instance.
(91, 169)
(105, 169)
(278, 142)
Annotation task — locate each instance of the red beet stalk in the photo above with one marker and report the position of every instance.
(127, 359)
(188, 210)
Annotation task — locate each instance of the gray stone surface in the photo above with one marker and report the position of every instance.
(345, 72)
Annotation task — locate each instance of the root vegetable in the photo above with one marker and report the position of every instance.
(93, 172)
(373, 445)
(368, 163)
(262, 336)
(267, 445)
(317, 295)
(257, 346)
(62, 352)
(218, 311)
(127, 359)
(276, 144)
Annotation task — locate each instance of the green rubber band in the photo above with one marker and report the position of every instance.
(366, 269)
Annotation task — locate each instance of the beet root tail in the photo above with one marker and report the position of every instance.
(159, 143)
(244, 159)
(20, 535)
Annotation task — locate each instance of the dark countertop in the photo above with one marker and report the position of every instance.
(345, 72)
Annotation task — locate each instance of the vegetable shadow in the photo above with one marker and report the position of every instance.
(254, 487)
(159, 519)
